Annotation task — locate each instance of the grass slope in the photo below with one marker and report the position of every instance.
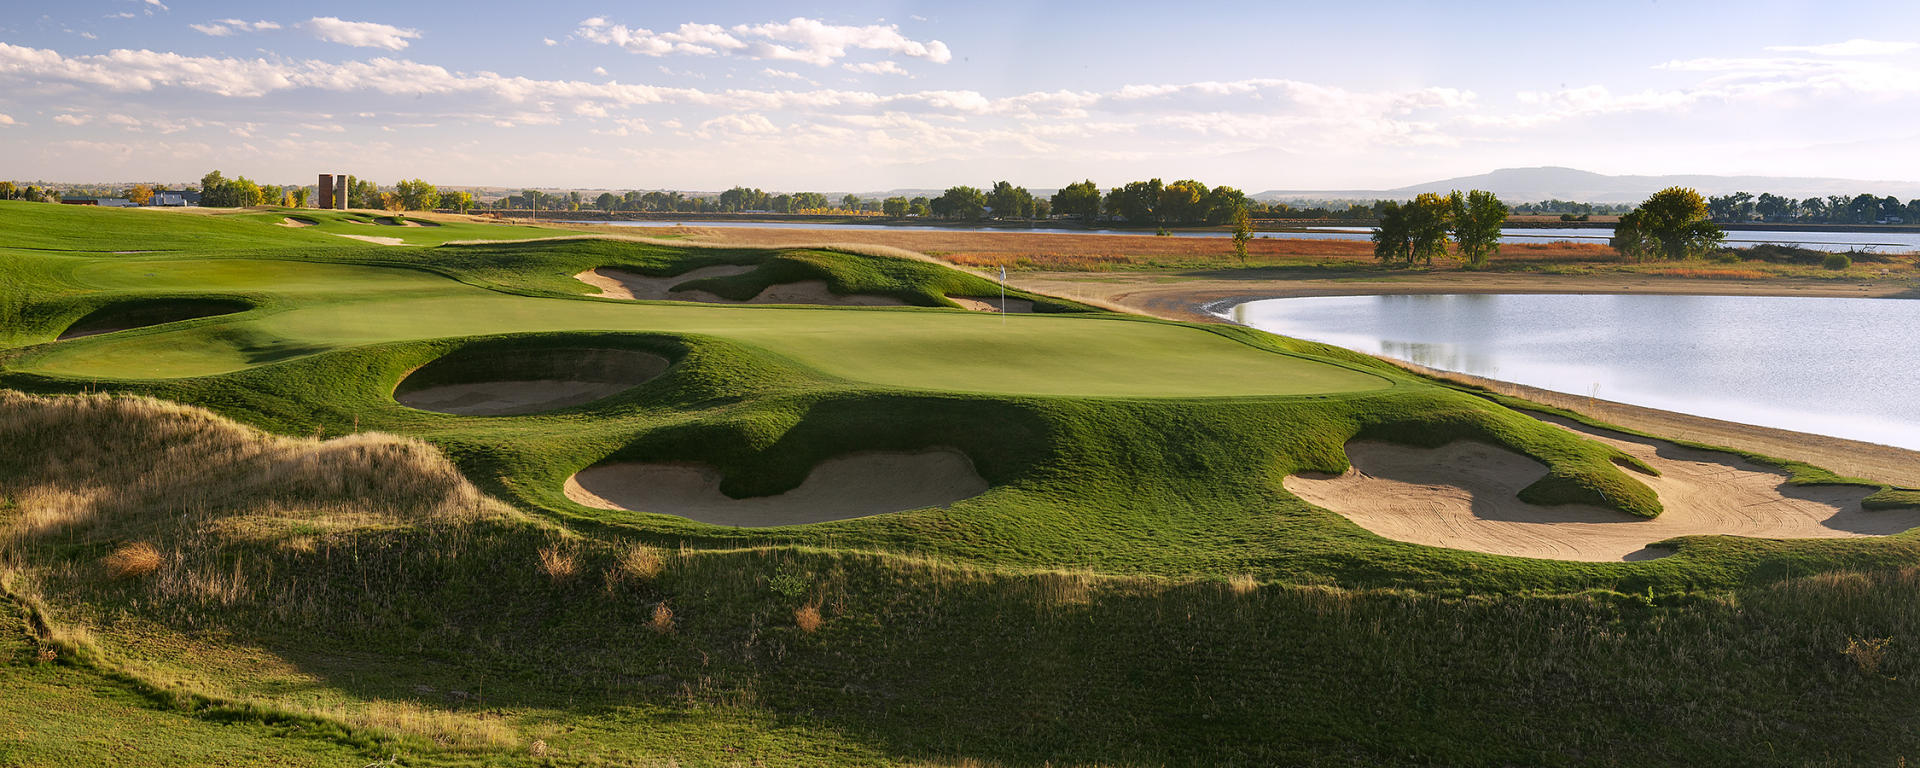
(1136, 588)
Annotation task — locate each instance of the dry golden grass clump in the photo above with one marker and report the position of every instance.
(559, 563)
(1242, 584)
(662, 621)
(133, 561)
(642, 562)
(808, 618)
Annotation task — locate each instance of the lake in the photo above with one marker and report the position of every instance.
(1846, 368)
(1885, 242)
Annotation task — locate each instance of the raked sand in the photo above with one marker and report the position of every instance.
(1464, 496)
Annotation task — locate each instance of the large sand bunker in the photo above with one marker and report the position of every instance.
(1464, 496)
(622, 284)
(289, 221)
(143, 313)
(526, 381)
(854, 485)
(375, 239)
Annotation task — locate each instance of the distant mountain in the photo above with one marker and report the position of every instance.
(1517, 185)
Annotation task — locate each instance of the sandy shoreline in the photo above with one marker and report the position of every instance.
(1195, 298)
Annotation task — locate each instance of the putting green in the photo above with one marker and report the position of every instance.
(915, 349)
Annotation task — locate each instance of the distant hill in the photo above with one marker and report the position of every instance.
(1549, 183)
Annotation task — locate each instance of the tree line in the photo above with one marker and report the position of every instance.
(1831, 209)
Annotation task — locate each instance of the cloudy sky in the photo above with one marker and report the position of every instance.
(858, 95)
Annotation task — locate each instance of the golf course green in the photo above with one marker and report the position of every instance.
(214, 509)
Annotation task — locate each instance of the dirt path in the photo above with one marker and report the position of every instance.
(1464, 495)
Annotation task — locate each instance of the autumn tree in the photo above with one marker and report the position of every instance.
(1673, 224)
(1242, 234)
(1413, 232)
(140, 194)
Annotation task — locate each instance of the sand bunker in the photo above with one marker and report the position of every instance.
(374, 239)
(518, 383)
(295, 223)
(140, 314)
(1464, 496)
(854, 485)
(621, 284)
(993, 304)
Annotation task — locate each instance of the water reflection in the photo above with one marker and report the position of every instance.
(1841, 367)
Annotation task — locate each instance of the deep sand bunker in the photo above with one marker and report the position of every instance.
(1013, 306)
(523, 382)
(1464, 496)
(853, 485)
(622, 284)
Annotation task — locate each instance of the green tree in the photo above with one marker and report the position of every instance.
(1673, 224)
(1009, 201)
(960, 203)
(1223, 204)
(850, 202)
(8, 191)
(1081, 199)
(417, 195)
(459, 201)
(1477, 217)
(1413, 232)
(1136, 202)
(920, 206)
(1242, 233)
(606, 202)
(895, 207)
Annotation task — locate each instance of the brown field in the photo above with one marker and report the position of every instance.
(1033, 251)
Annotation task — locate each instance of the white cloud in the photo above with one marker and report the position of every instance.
(1854, 47)
(155, 4)
(549, 41)
(799, 39)
(6, 119)
(748, 124)
(360, 34)
(601, 71)
(121, 15)
(876, 68)
(227, 27)
(72, 119)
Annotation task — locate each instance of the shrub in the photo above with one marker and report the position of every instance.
(133, 560)
(1867, 654)
(789, 583)
(1837, 261)
(808, 618)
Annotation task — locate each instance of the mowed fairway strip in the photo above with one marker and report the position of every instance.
(915, 349)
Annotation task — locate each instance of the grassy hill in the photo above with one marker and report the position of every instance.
(294, 564)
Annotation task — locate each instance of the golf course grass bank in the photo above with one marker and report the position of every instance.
(446, 503)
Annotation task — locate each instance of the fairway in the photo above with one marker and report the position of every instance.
(952, 351)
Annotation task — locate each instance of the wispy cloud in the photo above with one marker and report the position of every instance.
(72, 119)
(229, 27)
(1854, 47)
(798, 39)
(876, 68)
(360, 34)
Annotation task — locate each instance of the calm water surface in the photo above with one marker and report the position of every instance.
(1841, 367)
(1885, 242)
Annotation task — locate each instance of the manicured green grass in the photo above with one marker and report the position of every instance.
(355, 596)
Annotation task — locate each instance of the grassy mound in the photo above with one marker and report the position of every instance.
(140, 313)
(306, 588)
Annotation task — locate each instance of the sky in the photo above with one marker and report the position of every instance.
(859, 96)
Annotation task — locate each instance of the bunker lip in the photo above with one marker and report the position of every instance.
(993, 304)
(622, 284)
(125, 316)
(471, 382)
(1464, 495)
(848, 486)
